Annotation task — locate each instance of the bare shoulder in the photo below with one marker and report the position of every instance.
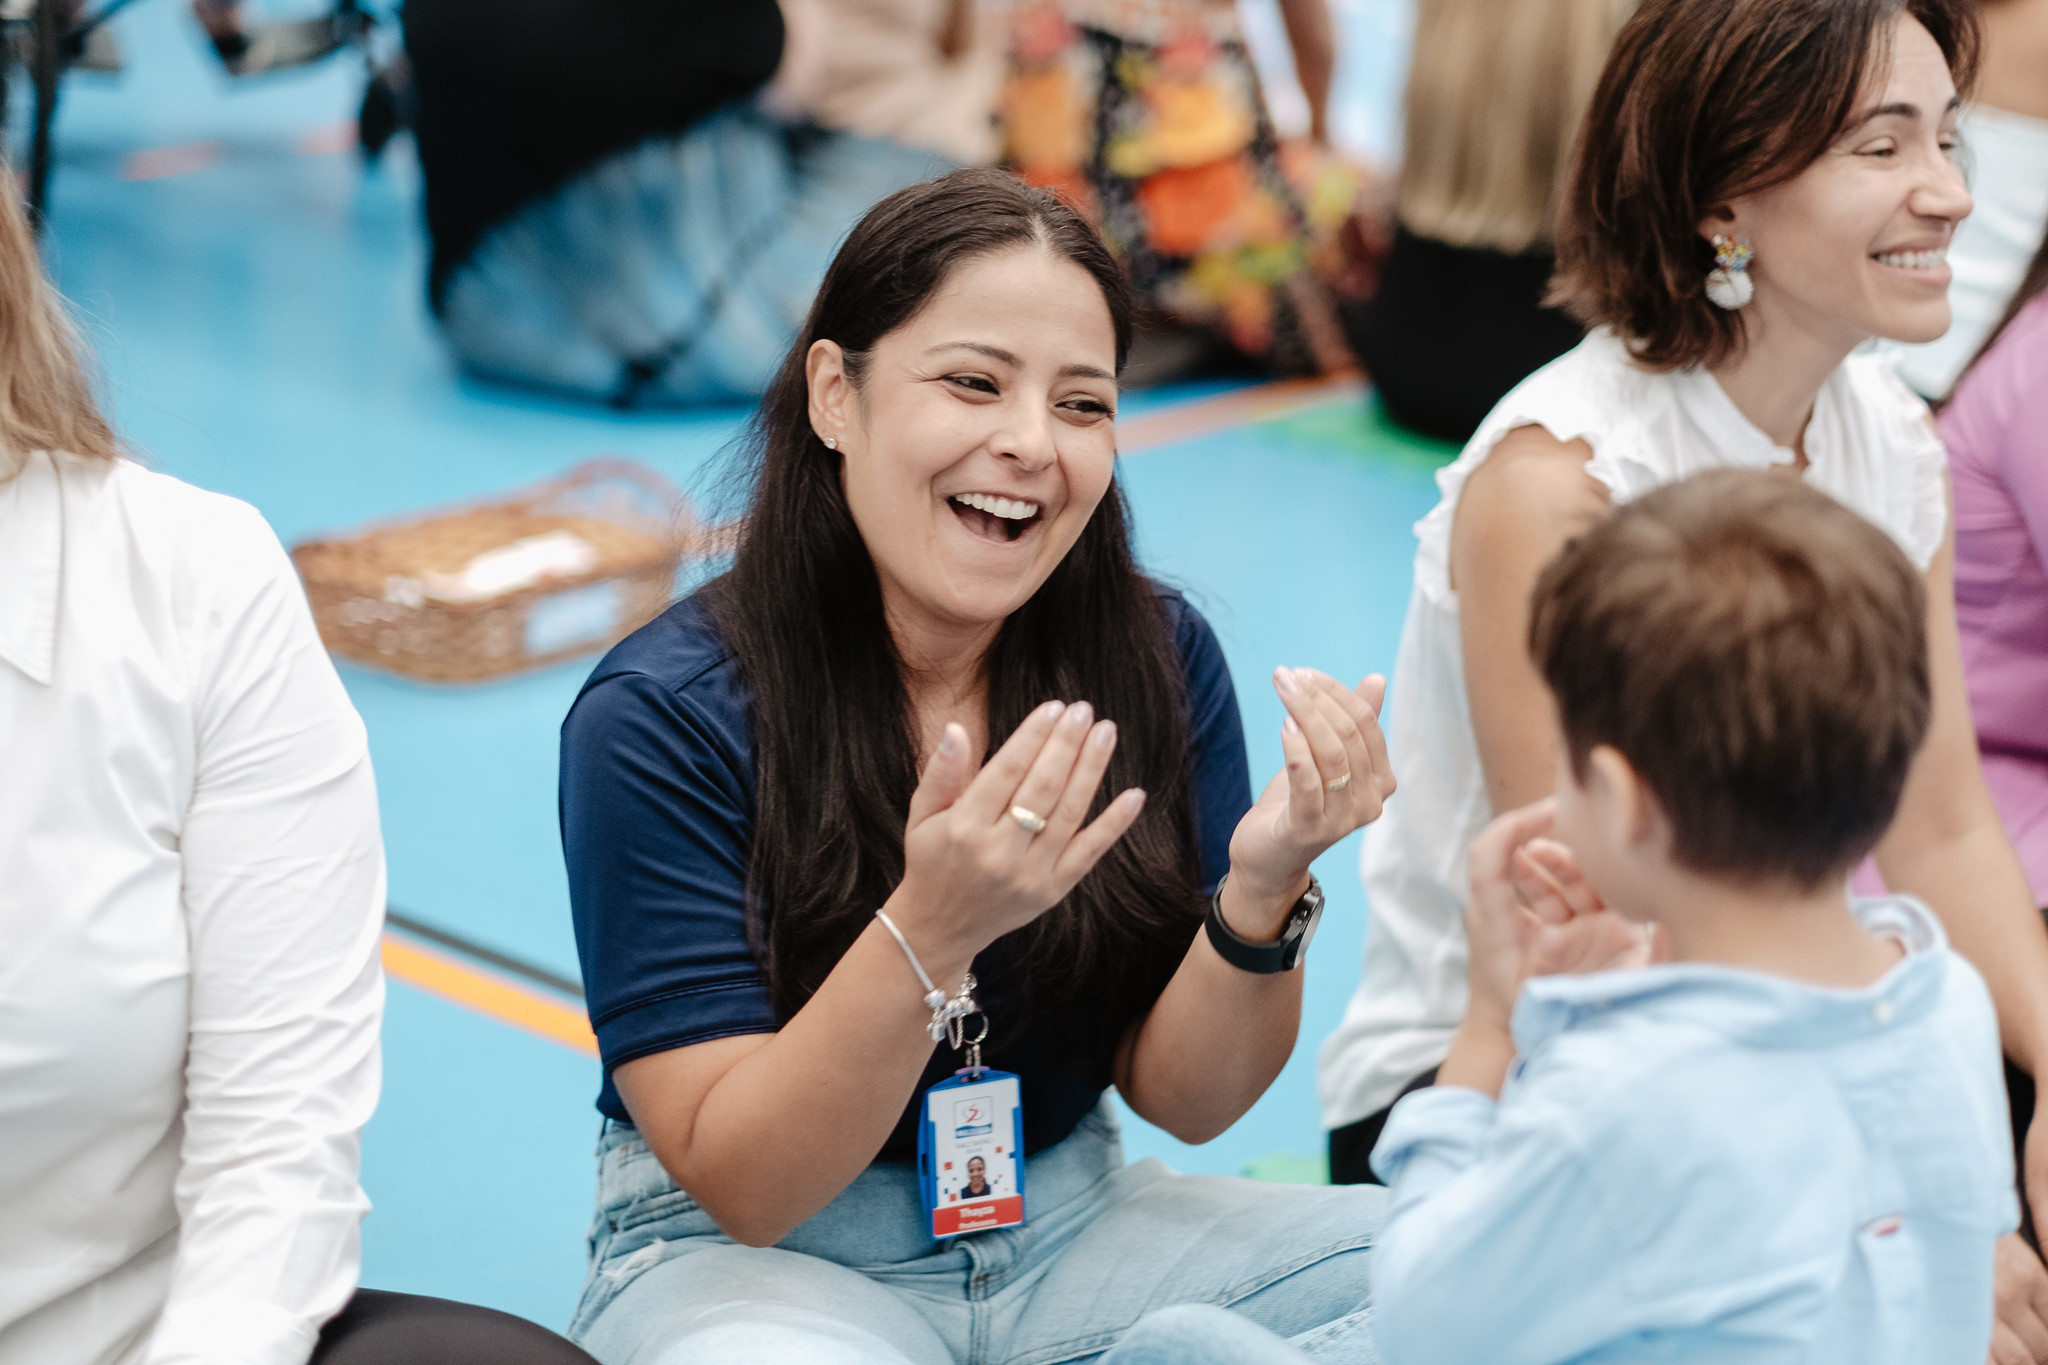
(1530, 495)
(1532, 473)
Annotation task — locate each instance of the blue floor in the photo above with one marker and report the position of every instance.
(258, 318)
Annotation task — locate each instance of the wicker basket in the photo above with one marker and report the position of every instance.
(493, 587)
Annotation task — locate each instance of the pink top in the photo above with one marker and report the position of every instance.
(1997, 435)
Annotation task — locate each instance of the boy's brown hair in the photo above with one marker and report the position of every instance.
(1702, 102)
(1758, 653)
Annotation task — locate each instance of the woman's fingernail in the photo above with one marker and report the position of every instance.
(1134, 799)
(1051, 709)
(1104, 736)
(949, 742)
(1283, 678)
(1290, 727)
(1080, 713)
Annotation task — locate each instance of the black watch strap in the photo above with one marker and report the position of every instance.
(1264, 959)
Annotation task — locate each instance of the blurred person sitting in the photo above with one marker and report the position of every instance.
(1148, 116)
(191, 893)
(1996, 429)
(622, 208)
(1494, 100)
(2005, 136)
(247, 49)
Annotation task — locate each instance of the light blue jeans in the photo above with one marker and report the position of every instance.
(1202, 1334)
(675, 272)
(863, 1283)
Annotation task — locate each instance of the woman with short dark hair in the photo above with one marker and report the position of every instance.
(1762, 187)
(935, 762)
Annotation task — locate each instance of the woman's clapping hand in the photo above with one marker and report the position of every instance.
(1336, 779)
(973, 868)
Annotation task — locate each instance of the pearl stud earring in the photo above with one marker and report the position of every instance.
(831, 442)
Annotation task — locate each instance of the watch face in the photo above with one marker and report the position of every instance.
(1302, 931)
(1308, 933)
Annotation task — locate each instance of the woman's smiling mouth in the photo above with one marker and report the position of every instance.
(1928, 263)
(993, 517)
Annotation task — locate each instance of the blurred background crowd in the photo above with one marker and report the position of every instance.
(632, 201)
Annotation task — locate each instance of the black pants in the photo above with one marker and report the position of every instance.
(1351, 1145)
(380, 1328)
(1452, 329)
(2019, 1091)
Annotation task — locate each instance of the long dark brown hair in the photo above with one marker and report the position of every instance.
(801, 609)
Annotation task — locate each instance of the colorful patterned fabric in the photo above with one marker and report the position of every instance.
(1148, 115)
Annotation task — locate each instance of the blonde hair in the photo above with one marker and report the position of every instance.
(1496, 91)
(46, 400)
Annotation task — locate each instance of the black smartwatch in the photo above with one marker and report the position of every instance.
(1282, 955)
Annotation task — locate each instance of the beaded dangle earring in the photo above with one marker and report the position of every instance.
(1728, 283)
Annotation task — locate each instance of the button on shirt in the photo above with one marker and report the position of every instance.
(191, 889)
(1692, 1162)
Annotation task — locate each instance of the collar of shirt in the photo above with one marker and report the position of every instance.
(31, 561)
(1739, 441)
(1752, 1007)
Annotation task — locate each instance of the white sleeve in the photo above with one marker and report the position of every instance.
(284, 899)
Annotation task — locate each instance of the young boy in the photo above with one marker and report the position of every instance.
(1782, 1134)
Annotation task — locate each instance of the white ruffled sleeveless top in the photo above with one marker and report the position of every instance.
(1869, 445)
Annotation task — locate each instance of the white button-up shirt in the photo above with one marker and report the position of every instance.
(191, 890)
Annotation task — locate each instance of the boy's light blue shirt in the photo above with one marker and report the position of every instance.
(1692, 1162)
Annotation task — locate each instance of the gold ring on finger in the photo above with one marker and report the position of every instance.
(1337, 784)
(1030, 821)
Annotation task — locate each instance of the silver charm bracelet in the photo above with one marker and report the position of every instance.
(945, 1024)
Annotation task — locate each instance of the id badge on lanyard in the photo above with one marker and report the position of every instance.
(970, 1137)
(970, 1145)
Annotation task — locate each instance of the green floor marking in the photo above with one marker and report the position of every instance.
(1285, 1168)
(1347, 426)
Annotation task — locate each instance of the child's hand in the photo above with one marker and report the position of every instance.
(1533, 913)
(1576, 932)
(1547, 878)
(1498, 925)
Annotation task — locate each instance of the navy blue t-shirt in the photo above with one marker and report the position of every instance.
(657, 805)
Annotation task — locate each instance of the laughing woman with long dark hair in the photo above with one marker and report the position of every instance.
(935, 744)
